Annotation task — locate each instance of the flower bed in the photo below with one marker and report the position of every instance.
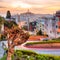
(44, 44)
(54, 45)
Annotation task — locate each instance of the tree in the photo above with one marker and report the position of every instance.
(9, 24)
(1, 21)
(39, 32)
(1, 24)
(24, 28)
(15, 36)
(8, 16)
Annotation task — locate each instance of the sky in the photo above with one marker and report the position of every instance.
(35, 6)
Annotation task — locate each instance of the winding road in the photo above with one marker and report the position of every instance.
(40, 51)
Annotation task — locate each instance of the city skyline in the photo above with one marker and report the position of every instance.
(35, 6)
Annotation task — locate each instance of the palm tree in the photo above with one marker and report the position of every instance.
(15, 36)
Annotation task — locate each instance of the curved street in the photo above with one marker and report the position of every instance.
(38, 50)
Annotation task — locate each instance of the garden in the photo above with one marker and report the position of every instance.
(30, 55)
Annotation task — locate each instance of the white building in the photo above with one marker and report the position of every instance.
(46, 22)
(46, 25)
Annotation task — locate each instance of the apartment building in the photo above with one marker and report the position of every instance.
(49, 24)
(57, 18)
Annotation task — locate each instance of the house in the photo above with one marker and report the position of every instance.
(49, 24)
(57, 18)
(36, 38)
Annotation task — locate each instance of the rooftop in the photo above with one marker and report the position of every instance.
(36, 38)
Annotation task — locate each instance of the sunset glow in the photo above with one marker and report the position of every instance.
(20, 4)
(35, 6)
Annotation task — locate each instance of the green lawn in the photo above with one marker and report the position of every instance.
(4, 57)
(30, 55)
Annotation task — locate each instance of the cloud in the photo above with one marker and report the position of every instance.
(3, 0)
(2, 7)
(42, 6)
(40, 1)
(5, 4)
(34, 2)
(0, 0)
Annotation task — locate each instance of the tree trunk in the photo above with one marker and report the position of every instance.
(9, 53)
(9, 56)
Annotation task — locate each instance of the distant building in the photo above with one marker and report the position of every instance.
(49, 24)
(29, 17)
(32, 25)
(45, 25)
(57, 18)
(36, 38)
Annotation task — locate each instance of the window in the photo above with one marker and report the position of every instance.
(47, 24)
(59, 27)
(58, 32)
(50, 31)
(56, 26)
(25, 22)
